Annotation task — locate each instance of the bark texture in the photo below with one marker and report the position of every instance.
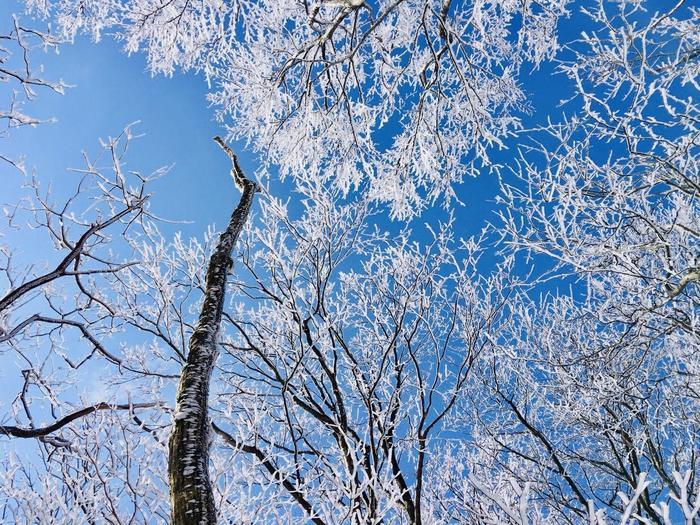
(191, 494)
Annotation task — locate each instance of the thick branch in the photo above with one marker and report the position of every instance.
(692, 275)
(273, 470)
(191, 493)
(62, 267)
(20, 432)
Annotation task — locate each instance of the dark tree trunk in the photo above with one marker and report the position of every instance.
(191, 493)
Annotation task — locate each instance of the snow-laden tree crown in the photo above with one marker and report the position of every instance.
(402, 98)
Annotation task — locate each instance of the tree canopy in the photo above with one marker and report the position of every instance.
(340, 360)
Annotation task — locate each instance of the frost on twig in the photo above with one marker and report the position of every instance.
(18, 46)
(505, 501)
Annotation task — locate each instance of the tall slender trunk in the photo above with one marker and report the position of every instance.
(191, 492)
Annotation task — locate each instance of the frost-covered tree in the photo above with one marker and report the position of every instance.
(365, 374)
(188, 456)
(363, 378)
(63, 331)
(603, 393)
(344, 366)
(338, 372)
(98, 300)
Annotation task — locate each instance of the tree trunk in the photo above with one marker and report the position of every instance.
(191, 494)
